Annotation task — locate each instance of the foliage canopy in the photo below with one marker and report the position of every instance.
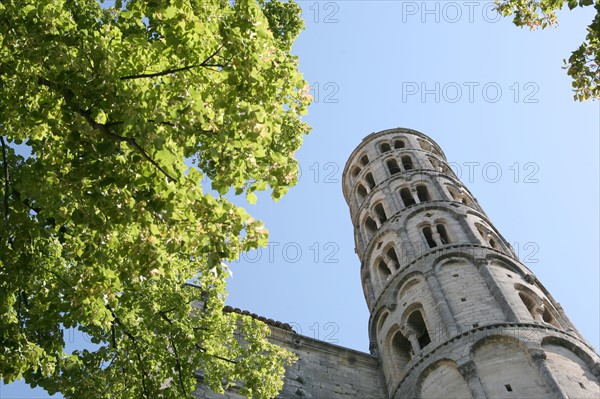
(104, 223)
(584, 63)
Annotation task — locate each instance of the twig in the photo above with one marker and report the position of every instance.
(174, 70)
(179, 368)
(134, 341)
(215, 356)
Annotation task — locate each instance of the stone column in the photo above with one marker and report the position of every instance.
(436, 236)
(390, 262)
(538, 314)
(539, 358)
(488, 277)
(450, 325)
(411, 335)
(469, 372)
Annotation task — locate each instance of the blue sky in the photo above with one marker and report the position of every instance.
(497, 101)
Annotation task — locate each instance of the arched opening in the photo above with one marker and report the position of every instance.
(354, 172)
(384, 272)
(441, 229)
(407, 163)
(436, 152)
(453, 193)
(549, 318)
(370, 226)
(407, 197)
(382, 320)
(417, 324)
(487, 236)
(401, 351)
(423, 193)
(399, 144)
(392, 166)
(529, 303)
(391, 254)
(434, 164)
(364, 160)
(429, 237)
(361, 192)
(384, 147)
(380, 213)
(370, 181)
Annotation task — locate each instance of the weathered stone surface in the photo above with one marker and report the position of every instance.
(323, 370)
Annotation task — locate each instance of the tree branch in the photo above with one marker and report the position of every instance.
(179, 368)
(169, 71)
(215, 356)
(6, 176)
(135, 343)
(68, 95)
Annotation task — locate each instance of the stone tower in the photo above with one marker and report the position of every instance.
(454, 313)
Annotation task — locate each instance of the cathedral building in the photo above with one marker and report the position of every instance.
(453, 311)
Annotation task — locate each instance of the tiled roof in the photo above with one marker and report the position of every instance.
(271, 322)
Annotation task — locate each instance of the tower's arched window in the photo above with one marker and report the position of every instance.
(382, 320)
(487, 236)
(453, 193)
(380, 213)
(354, 172)
(384, 271)
(446, 169)
(384, 147)
(548, 316)
(399, 144)
(370, 226)
(459, 195)
(391, 254)
(401, 351)
(392, 166)
(361, 192)
(423, 193)
(423, 144)
(529, 303)
(407, 163)
(441, 229)
(427, 146)
(364, 160)
(370, 181)
(435, 164)
(428, 234)
(407, 197)
(417, 325)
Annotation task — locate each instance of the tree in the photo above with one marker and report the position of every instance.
(584, 63)
(110, 120)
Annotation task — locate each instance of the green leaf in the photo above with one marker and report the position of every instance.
(251, 197)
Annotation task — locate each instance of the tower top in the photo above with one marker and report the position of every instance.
(392, 133)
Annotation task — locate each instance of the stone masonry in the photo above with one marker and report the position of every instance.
(454, 313)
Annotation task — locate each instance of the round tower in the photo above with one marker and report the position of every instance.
(454, 313)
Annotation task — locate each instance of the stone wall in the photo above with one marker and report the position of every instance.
(323, 370)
